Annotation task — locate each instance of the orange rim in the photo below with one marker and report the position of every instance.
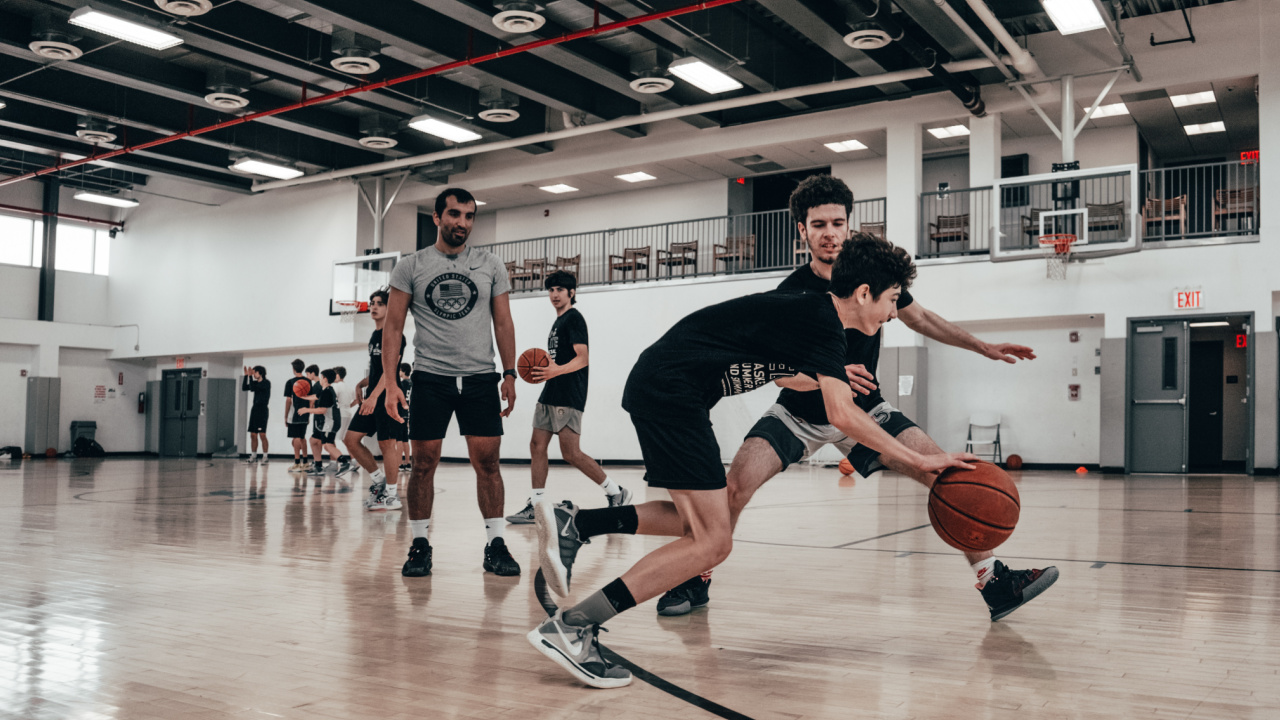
(1061, 243)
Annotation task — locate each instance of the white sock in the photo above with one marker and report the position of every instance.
(610, 487)
(985, 570)
(493, 527)
(420, 527)
(253, 457)
(378, 476)
(537, 494)
(393, 490)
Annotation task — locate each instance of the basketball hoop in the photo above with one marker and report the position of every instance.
(1057, 251)
(351, 308)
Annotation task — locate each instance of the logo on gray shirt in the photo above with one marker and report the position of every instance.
(451, 296)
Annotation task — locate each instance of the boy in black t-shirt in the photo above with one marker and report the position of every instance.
(725, 349)
(255, 381)
(559, 409)
(402, 440)
(371, 419)
(294, 420)
(327, 418)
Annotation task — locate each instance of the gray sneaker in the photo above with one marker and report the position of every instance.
(558, 542)
(376, 490)
(622, 498)
(577, 650)
(524, 517)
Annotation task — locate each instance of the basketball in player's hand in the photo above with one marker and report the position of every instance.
(302, 388)
(974, 510)
(530, 359)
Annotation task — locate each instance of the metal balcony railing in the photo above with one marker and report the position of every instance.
(732, 244)
(1210, 200)
(955, 222)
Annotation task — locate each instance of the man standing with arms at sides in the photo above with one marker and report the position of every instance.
(255, 381)
(460, 298)
(560, 407)
(296, 422)
(373, 419)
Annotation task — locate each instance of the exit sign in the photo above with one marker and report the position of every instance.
(1249, 157)
(1188, 299)
(1242, 341)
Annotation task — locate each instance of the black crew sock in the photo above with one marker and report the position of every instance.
(601, 605)
(606, 521)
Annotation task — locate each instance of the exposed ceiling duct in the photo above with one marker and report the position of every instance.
(650, 69)
(93, 130)
(51, 40)
(355, 52)
(518, 16)
(185, 8)
(376, 130)
(866, 36)
(500, 105)
(226, 87)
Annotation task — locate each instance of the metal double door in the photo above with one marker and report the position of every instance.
(1158, 359)
(180, 413)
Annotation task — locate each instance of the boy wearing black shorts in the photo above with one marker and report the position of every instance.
(402, 442)
(372, 418)
(327, 418)
(725, 349)
(296, 422)
(255, 381)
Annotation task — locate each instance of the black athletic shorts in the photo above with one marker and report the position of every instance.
(436, 398)
(377, 423)
(790, 449)
(298, 430)
(864, 459)
(258, 418)
(325, 438)
(680, 454)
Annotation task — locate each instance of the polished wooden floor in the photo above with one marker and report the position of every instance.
(136, 589)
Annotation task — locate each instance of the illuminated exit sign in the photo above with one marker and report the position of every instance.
(1188, 299)
(1249, 157)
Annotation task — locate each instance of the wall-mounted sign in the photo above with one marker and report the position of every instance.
(182, 362)
(1249, 157)
(1242, 341)
(1073, 392)
(120, 379)
(1188, 299)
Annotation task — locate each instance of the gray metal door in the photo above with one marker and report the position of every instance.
(1158, 393)
(180, 412)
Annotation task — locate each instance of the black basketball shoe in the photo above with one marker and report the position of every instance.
(419, 562)
(683, 598)
(1009, 590)
(498, 560)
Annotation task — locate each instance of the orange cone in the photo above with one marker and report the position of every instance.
(1082, 470)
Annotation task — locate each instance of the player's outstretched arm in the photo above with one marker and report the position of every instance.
(935, 327)
(392, 334)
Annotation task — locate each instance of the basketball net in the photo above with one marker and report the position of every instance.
(348, 311)
(1057, 252)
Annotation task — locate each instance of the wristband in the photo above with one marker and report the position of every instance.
(508, 373)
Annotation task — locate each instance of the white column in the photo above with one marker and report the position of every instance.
(984, 150)
(903, 156)
(46, 360)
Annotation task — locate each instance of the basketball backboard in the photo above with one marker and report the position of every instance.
(354, 279)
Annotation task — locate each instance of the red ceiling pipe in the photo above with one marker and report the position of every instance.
(577, 35)
(65, 216)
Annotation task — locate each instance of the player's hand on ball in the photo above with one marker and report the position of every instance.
(934, 464)
(860, 379)
(1009, 352)
(542, 374)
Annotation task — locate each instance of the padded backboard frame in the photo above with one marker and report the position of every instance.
(355, 278)
(1083, 247)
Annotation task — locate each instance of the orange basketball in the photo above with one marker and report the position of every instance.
(846, 467)
(530, 359)
(1013, 462)
(51, 452)
(974, 510)
(302, 388)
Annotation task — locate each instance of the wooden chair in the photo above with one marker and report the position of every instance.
(537, 270)
(682, 255)
(950, 228)
(875, 228)
(568, 264)
(516, 274)
(1174, 209)
(736, 248)
(1240, 204)
(1031, 225)
(1106, 216)
(631, 260)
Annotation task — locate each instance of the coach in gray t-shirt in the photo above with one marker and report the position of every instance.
(460, 299)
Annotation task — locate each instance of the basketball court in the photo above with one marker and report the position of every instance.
(205, 204)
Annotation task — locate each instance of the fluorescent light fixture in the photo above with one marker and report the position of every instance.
(1203, 128)
(708, 79)
(1200, 98)
(1073, 16)
(949, 132)
(560, 188)
(2, 105)
(845, 146)
(636, 177)
(1105, 111)
(269, 169)
(127, 30)
(105, 199)
(1215, 323)
(441, 129)
(481, 202)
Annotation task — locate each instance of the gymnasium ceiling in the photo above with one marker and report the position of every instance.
(279, 52)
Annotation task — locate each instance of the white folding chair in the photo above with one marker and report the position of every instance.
(984, 431)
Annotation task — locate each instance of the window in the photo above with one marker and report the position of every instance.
(17, 240)
(80, 248)
(75, 248)
(101, 251)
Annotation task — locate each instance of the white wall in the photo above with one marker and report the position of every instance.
(80, 298)
(13, 386)
(951, 169)
(120, 426)
(19, 292)
(866, 178)
(1101, 147)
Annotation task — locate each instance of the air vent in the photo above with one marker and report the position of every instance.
(650, 69)
(226, 101)
(55, 50)
(866, 36)
(438, 172)
(355, 52)
(518, 16)
(378, 142)
(96, 137)
(186, 8)
(651, 85)
(51, 40)
(225, 86)
(500, 104)
(376, 130)
(757, 163)
(499, 115)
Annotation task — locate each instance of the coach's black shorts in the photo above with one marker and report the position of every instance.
(864, 459)
(377, 422)
(258, 418)
(298, 430)
(680, 454)
(436, 398)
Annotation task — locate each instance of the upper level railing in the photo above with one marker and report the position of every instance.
(732, 244)
(1209, 200)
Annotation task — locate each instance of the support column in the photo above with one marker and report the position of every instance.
(1068, 123)
(48, 251)
(984, 150)
(903, 156)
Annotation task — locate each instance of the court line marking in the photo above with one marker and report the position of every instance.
(549, 606)
(896, 532)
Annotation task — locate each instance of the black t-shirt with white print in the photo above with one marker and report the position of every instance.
(566, 390)
(735, 347)
(331, 418)
(375, 359)
(860, 349)
(296, 417)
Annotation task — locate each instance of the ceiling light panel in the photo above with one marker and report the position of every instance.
(703, 76)
(949, 132)
(559, 188)
(1200, 98)
(1106, 111)
(845, 146)
(636, 177)
(444, 130)
(1073, 16)
(266, 169)
(105, 199)
(93, 19)
(1201, 129)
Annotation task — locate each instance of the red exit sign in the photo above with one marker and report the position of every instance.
(1242, 341)
(1249, 157)
(1188, 299)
